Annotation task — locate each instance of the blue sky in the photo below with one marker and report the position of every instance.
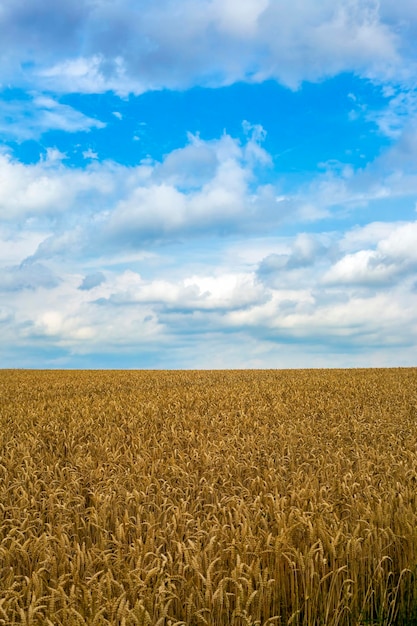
(208, 183)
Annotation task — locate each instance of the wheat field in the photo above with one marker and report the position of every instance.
(242, 498)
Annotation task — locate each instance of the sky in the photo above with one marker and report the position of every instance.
(208, 183)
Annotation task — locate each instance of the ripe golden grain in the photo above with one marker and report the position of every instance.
(222, 498)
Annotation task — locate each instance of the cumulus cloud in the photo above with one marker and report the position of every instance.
(394, 257)
(221, 293)
(206, 186)
(30, 189)
(305, 251)
(368, 236)
(48, 187)
(377, 255)
(126, 47)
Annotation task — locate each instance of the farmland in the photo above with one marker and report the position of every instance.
(242, 498)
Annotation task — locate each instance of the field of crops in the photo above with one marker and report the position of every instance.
(236, 498)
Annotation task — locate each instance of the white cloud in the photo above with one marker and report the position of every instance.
(50, 188)
(39, 114)
(314, 40)
(238, 17)
(66, 329)
(395, 256)
(90, 154)
(367, 236)
(222, 292)
(30, 189)
(363, 267)
(53, 155)
(131, 48)
(15, 247)
(91, 75)
(299, 264)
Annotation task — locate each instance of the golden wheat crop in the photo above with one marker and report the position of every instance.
(221, 498)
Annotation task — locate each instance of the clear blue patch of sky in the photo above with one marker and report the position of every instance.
(32, 356)
(304, 127)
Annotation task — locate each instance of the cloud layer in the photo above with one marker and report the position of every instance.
(128, 47)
